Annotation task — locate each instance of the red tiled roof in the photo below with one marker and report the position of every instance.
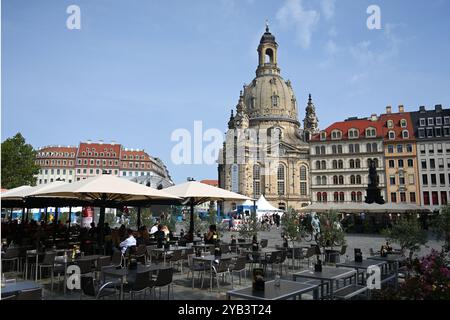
(360, 124)
(396, 117)
(99, 147)
(58, 149)
(214, 183)
(134, 153)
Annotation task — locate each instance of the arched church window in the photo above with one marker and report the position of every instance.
(257, 180)
(275, 100)
(303, 181)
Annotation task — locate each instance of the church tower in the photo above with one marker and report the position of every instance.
(310, 123)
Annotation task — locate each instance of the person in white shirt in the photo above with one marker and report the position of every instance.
(154, 228)
(128, 242)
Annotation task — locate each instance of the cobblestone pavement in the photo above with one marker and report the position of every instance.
(182, 285)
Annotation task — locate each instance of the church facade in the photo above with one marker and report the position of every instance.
(266, 150)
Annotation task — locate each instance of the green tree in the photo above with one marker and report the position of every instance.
(331, 232)
(249, 226)
(18, 163)
(441, 226)
(199, 225)
(407, 233)
(292, 228)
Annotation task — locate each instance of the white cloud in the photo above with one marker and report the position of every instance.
(293, 15)
(328, 8)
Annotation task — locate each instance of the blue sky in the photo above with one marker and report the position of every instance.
(137, 70)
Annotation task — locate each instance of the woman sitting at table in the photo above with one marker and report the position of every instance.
(211, 236)
(160, 236)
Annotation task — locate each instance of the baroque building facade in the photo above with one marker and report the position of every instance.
(266, 152)
(340, 159)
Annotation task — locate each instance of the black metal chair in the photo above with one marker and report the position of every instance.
(116, 258)
(163, 279)
(239, 266)
(32, 294)
(47, 263)
(195, 267)
(221, 269)
(176, 258)
(88, 288)
(140, 284)
(102, 262)
(140, 254)
(11, 255)
(264, 243)
(85, 267)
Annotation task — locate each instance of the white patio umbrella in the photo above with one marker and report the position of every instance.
(195, 193)
(105, 189)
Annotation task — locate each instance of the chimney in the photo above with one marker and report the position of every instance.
(401, 108)
(422, 109)
(373, 117)
(438, 107)
(388, 109)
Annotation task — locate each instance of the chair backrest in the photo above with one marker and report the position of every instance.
(32, 294)
(310, 252)
(240, 263)
(343, 250)
(264, 243)
(176, 255)
(103, 262)
(223, 266)
(189, 251)
(116, 258)
(164, 277)
(49, 258)
(142, 281)
(11, 253)
(87, 286)
(85, 266)
(141, 250)
(224, 248)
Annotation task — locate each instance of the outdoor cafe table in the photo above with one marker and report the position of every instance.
(203, 246)
(287, 289)
(391, 258)
(12, 288)
(171, 249)
(211, 258)
(328, 274)
(126, 274)
(363, 266)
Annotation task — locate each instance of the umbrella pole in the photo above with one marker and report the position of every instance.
(23, 214)
(11, 214)
(70, 219)
(55, 225)
(139, 218)
(46, 214)
(191, 222)
(101, 222)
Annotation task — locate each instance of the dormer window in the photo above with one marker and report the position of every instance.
(336, 134)
(405, 134)
(422, 122)
(371, 132)
(323, 135)
(403, 123)
(353, 133)
(390, 124)
(391, 135)
(275, 100)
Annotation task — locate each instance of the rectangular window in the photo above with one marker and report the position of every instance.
(64, 171)
(429, 132)
(432, 164)
(431, 148)
(430, 121)
(433, 179)
(85, 161)
(444, 198)
(392, 180)
(393, 197)
(446, 120)
(409, 148)
(411, 179)
(426, 198)
(391, 164)
(422, 122)
(421, 133)
(412, 197)
(91, 171)
(422, 149)
(402, 196)
(439, 121)
(84, 171)
(435, 198)
(124, 173)
(390, 148)
(79, 161)
(97, 171)
(400, 163)
(410, 163)
(425, 179)
(399, 148)
(446, 131)
(424, 164)
(447, 147)
(401, 180)
(441, 163)
(439, 148)
(448, 163)
(303, 188)
(438, 132)
(442, 179)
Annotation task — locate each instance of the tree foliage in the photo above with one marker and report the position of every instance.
(292, 228)
(249, 226)
(199, 225)
(441, 226)
(331, 232)
(408, 233)
(18, 163)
